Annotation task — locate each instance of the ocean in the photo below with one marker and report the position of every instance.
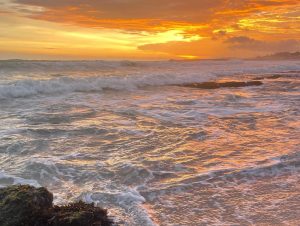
(137, 139)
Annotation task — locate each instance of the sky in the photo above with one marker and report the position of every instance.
(147, 29)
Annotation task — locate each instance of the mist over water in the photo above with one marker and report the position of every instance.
(126, 136)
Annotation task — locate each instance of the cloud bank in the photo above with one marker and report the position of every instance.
(167, 28)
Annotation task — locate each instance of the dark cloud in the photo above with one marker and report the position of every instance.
(149, 13)
(188, 10)
(241, 40)
(244, 42)
(222, 33)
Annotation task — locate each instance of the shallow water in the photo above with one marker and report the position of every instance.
(124, 135)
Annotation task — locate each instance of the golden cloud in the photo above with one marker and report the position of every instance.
(189, 28)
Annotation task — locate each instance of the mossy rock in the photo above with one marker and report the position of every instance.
(24, 205)
(79, 214)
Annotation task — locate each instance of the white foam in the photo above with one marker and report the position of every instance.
(129, 200)
(17, 180)
(132, 195)
(38, 76)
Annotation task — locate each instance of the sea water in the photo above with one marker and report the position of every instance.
(129, 137)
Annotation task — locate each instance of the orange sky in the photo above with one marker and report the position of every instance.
(147, 29)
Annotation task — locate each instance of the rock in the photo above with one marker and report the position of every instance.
(269, 77)
(216, 85)
(79, 214)
(20, 204)
(24, 205)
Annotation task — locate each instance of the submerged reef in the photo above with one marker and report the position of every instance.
(216, 85)
(24, 205)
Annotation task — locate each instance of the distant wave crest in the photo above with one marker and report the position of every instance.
(123, 75)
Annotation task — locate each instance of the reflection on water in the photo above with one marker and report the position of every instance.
(163, 155)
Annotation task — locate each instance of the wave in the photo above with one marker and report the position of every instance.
(61, 77)
(41, 65)
(90, 65)
(25, 88)
(282, 166)
(7, 179)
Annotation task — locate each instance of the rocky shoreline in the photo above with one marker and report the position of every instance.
(24, 205)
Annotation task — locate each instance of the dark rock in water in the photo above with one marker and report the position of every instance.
(269, 77)
(24, 205)
(80, 213)
(216, 85)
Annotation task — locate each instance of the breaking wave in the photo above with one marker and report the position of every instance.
(26, 88)
(55, 77)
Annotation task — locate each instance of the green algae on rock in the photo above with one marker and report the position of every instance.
(79, 213)
(24, 205)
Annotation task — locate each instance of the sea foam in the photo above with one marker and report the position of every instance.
(30, 78)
